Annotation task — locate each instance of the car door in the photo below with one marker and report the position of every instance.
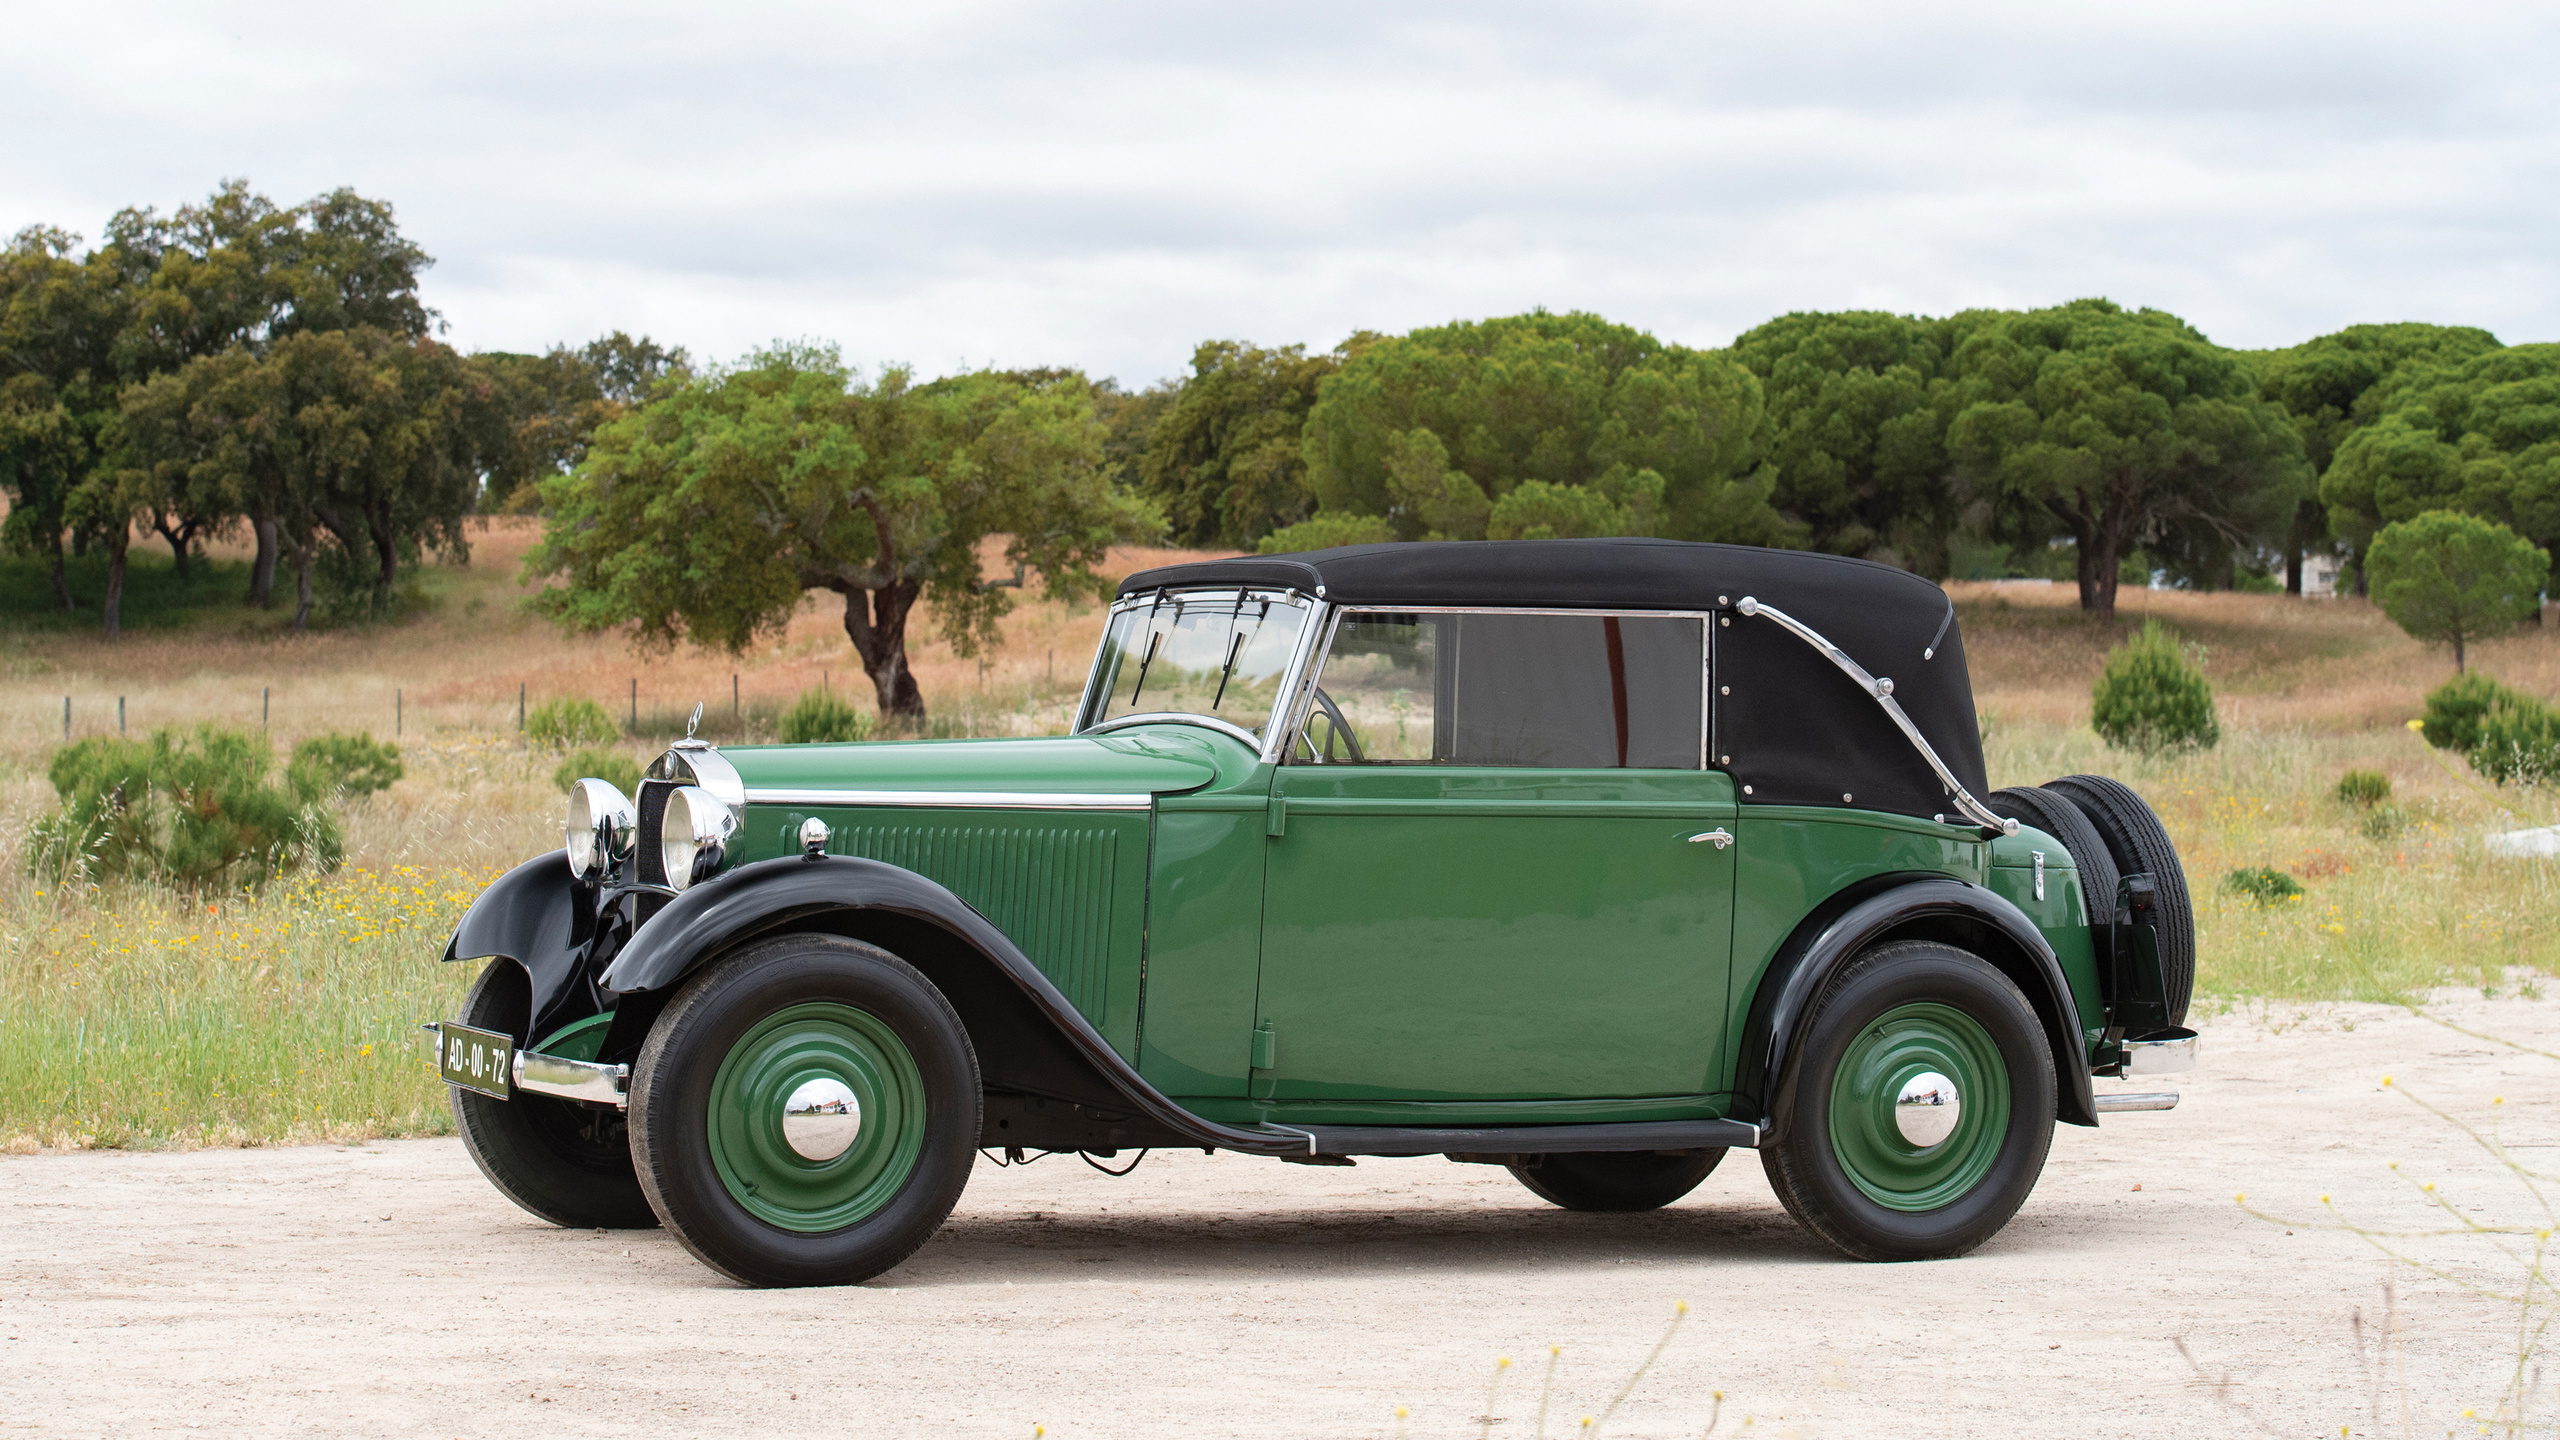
(1498, 869)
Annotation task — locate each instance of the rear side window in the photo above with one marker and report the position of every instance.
(1554, 691)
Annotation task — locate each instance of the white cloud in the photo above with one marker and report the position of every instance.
(1105, 186)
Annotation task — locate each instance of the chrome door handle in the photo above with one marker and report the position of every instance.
(1719, 836)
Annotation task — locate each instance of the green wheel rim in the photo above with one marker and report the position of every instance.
(785, 1050)
(1894, 1047)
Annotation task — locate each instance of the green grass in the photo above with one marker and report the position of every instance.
(154, 597)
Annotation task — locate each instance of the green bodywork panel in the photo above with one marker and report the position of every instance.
(1387, 944)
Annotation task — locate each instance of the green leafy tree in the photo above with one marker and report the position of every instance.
(529, 417)
(2151, 699)
(707, 513)
(1324, 532)
(61, 317)
(2323, 383)
(2452, 578)
(1857, 433)
(1434, 430)
(2477, 433)
(2116, 427)
(1226, 460)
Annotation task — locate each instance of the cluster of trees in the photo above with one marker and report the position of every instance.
(241, 364)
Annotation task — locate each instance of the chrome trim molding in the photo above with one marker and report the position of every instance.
(1882, 692)
(694, 762)
(2169, 1054)
(2117, 1104)
(1228, 728)
(953, 799)
(573, 1079)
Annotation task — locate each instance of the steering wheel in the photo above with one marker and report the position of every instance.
(1338, 726)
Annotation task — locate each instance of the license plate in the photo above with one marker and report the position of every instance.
(480, 1060)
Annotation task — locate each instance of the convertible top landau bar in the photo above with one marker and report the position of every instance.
(1882, 691)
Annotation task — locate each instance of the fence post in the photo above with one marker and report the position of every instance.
(119, 714)
(519, 707)
(66, 719)
(264, 691)
(396, 708)
(635, 704)
(737, 707)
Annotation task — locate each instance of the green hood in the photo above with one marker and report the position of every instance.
(1155, 762)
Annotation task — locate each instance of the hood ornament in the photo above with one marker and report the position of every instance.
(691, 725)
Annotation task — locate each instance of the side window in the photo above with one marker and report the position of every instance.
(1552, 691)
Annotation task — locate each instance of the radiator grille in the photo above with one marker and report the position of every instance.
(1047, 887)
(653, 822)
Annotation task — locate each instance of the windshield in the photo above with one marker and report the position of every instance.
(1200, 652)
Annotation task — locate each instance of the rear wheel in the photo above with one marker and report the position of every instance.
(805, 1112)
(568, 1163)
(1923, 1106)
(2138, 842)
(1599, 1180)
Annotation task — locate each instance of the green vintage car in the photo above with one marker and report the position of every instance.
(1592, 859)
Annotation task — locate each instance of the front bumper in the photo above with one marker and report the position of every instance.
(554, 1075)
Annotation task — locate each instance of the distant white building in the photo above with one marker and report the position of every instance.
(2320, 576)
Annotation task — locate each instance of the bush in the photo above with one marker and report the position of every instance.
(819, 718)
(2455, 709)
(193, 809)
(2265, 885)
(2518, 740)
(568, 724)
(1323, 532)
(611, 766)
(2150, 699)
(2383, 822)
(333, 765)
(2364, 788)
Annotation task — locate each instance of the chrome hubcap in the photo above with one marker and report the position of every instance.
(1928, 1108)
(822, 1119)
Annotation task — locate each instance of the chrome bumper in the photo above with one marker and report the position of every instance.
(573, 1079)
(2112, 1104)
(2164, 1052)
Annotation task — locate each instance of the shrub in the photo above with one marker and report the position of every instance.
(333, 765)
(568, 724)
(2518, 740)
(1323, 532)
(2150, 699)
(195, 809)
(2263, 884)
(611, 766)
(818, 717)
(2455, 708)
(2382, 822)
(2364, 788)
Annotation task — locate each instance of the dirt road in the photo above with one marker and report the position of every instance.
(388, 1290)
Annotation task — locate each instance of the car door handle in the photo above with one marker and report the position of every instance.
(1720, 837)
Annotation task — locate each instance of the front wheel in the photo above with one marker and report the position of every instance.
(805, 1112)
(1923, 1106)
(562, 1161)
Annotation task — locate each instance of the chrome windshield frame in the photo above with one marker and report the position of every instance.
(1267, 746)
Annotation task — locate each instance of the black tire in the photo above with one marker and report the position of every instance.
(926, 1114)
(2058, 817)
(2138, 843)
(1606, 1181)
(565, 1162)
(1997, 1160)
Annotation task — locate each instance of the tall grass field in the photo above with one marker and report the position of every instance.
(136, 1015)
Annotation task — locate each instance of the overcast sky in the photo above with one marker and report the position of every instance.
(956, 184)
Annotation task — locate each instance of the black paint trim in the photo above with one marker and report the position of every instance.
(544, 918)
(1911, 905)
(1528, 1139)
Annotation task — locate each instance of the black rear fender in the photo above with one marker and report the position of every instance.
(1917, 906)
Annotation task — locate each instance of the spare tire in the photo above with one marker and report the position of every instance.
(2137, 842)
(2049, 812)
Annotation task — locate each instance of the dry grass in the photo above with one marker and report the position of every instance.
(139, 1017)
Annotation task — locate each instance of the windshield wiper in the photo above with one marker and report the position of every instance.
(1232, 652)
(1153, 640)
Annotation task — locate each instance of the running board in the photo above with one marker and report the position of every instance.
(2163, 1100)
(1521, 1139)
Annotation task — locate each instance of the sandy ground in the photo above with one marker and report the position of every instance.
(386, 1289)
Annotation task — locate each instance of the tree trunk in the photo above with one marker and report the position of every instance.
(2457, 652)
(61, 582)
(262, 571)
(386, 553)
(2101, 553)
(177, 536)
(113, 610)
(2293, 570)
(304, 554)
(2360, 591)
(876, 622)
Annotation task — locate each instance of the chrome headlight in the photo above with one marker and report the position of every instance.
(694, 836)
(601, 828)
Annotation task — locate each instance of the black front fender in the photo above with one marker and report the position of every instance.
(1031, 1039)
(1917, 906)
(543, 918)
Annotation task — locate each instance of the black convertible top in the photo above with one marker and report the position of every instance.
(1789, 725)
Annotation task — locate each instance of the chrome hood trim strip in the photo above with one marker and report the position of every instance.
(952, 799)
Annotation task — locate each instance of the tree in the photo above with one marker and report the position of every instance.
(61, 316)
(707, 513)
(532, 416)
(1226, 459)
(2479, 434)
(2323, 383)
(1434, 431)
(2114, 426)
(2452, 578)
(1856, 432)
